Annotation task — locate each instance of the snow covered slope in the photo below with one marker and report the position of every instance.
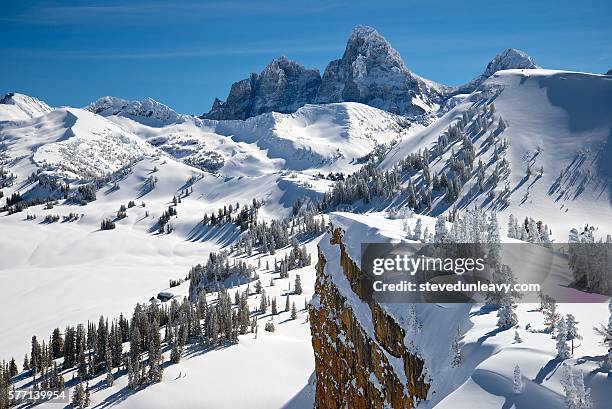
(558, 125)
(16, 107)
(316, 138)
(71, 143)
(320, 137)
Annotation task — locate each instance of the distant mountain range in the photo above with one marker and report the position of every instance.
(370, 71)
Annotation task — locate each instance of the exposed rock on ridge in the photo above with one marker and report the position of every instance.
(283, 86)
(353, 366)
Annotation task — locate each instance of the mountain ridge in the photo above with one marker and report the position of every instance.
(370, 71)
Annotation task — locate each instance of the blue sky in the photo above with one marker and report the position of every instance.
(186, 53)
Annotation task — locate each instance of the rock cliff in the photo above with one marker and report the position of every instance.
(361, 360)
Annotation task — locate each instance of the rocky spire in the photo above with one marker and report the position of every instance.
(372, 72)
(282, 86)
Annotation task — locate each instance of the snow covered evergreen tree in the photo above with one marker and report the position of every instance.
(297, 287)
(441, 233)
(571, 330)
(605, 331)
(563, 351)
(577, 396)
(517, 384)
(293, 311)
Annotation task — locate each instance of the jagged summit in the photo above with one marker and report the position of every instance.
(370, 71)
(366, 41)
(148, 110)
(282, 86)
(508, 59)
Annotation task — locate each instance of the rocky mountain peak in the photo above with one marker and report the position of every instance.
(282, 86)
(366, 42)
(509, 59)
(372, 72)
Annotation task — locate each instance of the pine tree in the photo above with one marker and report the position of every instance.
(297, 287)
(418, 228)
(263, 303)
(507, 316)
(576, 395)
(572, 330)
(562, 348)
(274, 310)
(26, 363)
(293, 311)
(79, 397)
(441, 233)
(549, 309)
(155, 356)
(87, 400)
(606, 333)
(517, 386)
(287, 305)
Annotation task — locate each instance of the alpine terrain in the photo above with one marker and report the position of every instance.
(153, 259)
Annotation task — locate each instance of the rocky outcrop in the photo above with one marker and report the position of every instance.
(359, 364)
(373, 73)
(283, 86)
(506, 60)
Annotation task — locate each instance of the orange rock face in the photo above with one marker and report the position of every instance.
(353, 370)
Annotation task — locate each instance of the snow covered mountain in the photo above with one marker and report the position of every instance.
(283, 86)
(147, 111)
(70, 143)
(16, 107)
(550, 158)
(271, 195)
(506, 60)
(372, 72)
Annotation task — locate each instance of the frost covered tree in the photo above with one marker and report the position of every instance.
(418, 230)
(577, 396)
(563, 351)
(517, 384)
(455, 349)
(507, 316)
(549, 309)
(440, 231)
(571, 330)
(605, 331)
